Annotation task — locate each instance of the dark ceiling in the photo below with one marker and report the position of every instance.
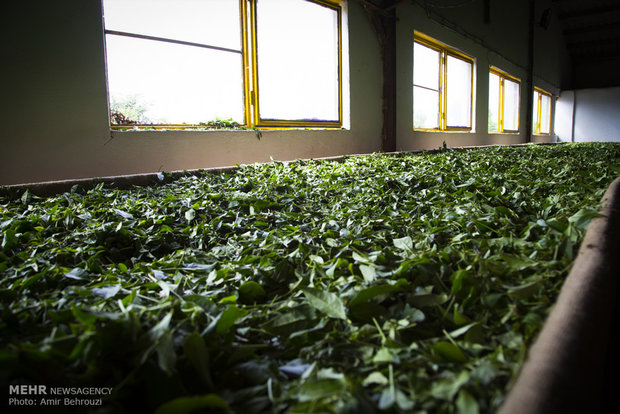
(591, 32)
(591, 28)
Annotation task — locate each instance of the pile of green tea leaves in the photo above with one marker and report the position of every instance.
(380, 283)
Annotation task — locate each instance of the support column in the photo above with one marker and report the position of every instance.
(384, 22)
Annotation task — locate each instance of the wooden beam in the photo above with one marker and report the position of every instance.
(487, 11)
(384, 23)
(530, 72)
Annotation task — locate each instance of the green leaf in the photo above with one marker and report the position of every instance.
(403, 243)
(84, 317)
(26, 283)
(447, 388)
(428, 299)
(372, 292)
(77, 274)
(582, 218)
(457, 280)
(251, 292)
(375, 377)
(316, 389)
(190, 215)
(123, 214)
(107, 292)
(383, 355)
(387, 399)
(466, 404)
(198, 355)
(166, 356)
(9, 239)
(228, 299)
(368, 272)
(160, 329)
(326, 302)
(228, 318)
(516, 263)
(524, 291)
(403, 402)
(449, 352)
(317, 259)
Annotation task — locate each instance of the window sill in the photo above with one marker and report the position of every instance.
(444, 131)
(202, 129)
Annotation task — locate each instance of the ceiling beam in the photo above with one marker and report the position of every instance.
(587, 56)
(594, 43)
(592, 28)
(589, 11)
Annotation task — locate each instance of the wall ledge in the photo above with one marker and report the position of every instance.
(51, 188)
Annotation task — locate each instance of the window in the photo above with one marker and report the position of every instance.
(504, 98)
(268, 63)
(297, 62)
(442, 86)
(541, 124)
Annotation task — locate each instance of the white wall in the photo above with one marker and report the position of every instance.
(564, 116)
(589, 115)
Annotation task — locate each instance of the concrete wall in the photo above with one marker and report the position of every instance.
(503, 42)
(589, 115)
(55, 117)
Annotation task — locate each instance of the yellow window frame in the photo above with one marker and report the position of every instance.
(446, 51)
(538, 123)
(252, 72)
(248, 27)
(503, 76)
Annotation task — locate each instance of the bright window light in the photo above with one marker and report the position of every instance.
(494, 101)
(426, 69)
(541, 124)
(511, 105)
(213, 22)
(174, 84)
(256, 62)
(182, 78)
(458, 92)
(442, 87)
(504, 98)
(545, 114)
(298, 60)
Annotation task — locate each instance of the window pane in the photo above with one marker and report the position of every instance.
(511, 105)
(493, 102)
(298, 66)
(425, 108)
(458, 90)
(212, 22)
(535, 113)
(545, 114)
(174, 83)
(425, 66)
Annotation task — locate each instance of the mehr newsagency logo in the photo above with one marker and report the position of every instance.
(42, 395)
